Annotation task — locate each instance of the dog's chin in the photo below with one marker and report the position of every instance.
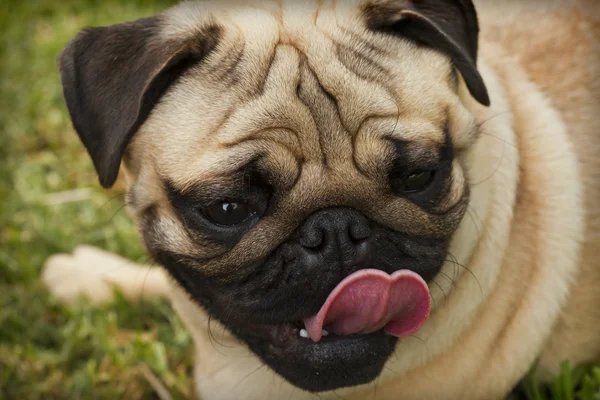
(332, 363)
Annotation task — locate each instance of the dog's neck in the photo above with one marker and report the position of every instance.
(524, 256)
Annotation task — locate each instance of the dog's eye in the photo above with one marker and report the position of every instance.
(228, 213)
(417, 181)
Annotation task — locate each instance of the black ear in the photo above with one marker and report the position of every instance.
(449, 26)
(113, 76)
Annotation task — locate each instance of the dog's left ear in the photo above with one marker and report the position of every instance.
(448, 26)
(113, 76)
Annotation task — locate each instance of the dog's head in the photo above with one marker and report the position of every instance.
(276, 150)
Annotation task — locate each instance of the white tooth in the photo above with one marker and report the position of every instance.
(325, 333)
(303, 333)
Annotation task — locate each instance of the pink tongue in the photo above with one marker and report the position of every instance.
(369, 300)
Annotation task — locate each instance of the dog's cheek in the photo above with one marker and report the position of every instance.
(162, 231)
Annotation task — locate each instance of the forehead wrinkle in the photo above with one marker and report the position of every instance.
(276, 108)
(371, 69)
(233, 48)
(265, 143)
(212, 168)
(417, 130)
(271, 136)
(258, 30)
(359, 44)
(325, 112)
(356, 97)
(363, 41)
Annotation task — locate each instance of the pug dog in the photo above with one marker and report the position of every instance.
(364, 198)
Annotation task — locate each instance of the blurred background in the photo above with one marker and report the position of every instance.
(50, 202)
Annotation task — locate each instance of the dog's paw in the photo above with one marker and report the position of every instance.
(94, 273)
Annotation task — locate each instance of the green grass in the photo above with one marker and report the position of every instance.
(580, 383)
(47, 350)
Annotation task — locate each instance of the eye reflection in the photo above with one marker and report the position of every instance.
(228, 213)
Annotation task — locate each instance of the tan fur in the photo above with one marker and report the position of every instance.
(563, 58)
(532, 229)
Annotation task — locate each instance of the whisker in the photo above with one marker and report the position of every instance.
(110, 199)
(391, 370)
(434, 302)
(504, 142)
(478, 228)
(251, 373)
(211, 337)
(496, 169)
(420, 340)
(221, 342)
(148, 269)
(293, 391)
(376, 386)
(455, 261)
(338, 396)
(440, 287)
(445, 275)
(226, 314)
(472, 212)
(116, 212)
(480, 124)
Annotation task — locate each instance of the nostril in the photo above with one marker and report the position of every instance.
(313, 238)
(359, 230)
(334, 227)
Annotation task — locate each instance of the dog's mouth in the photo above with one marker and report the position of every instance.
(347, 342)
(286, 334)
(367, 301)
(341, 341)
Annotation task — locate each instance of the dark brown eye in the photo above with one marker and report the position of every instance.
(228, 213)
(418, 180)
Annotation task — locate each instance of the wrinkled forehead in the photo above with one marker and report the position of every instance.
(301, 83)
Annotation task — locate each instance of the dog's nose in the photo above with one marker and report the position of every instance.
(336, 234)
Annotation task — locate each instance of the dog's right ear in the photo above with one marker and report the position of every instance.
(113, 76)
(448, 26)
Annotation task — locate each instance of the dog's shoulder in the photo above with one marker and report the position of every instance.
(557, 43)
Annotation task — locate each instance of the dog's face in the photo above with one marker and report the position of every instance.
(276, 150)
